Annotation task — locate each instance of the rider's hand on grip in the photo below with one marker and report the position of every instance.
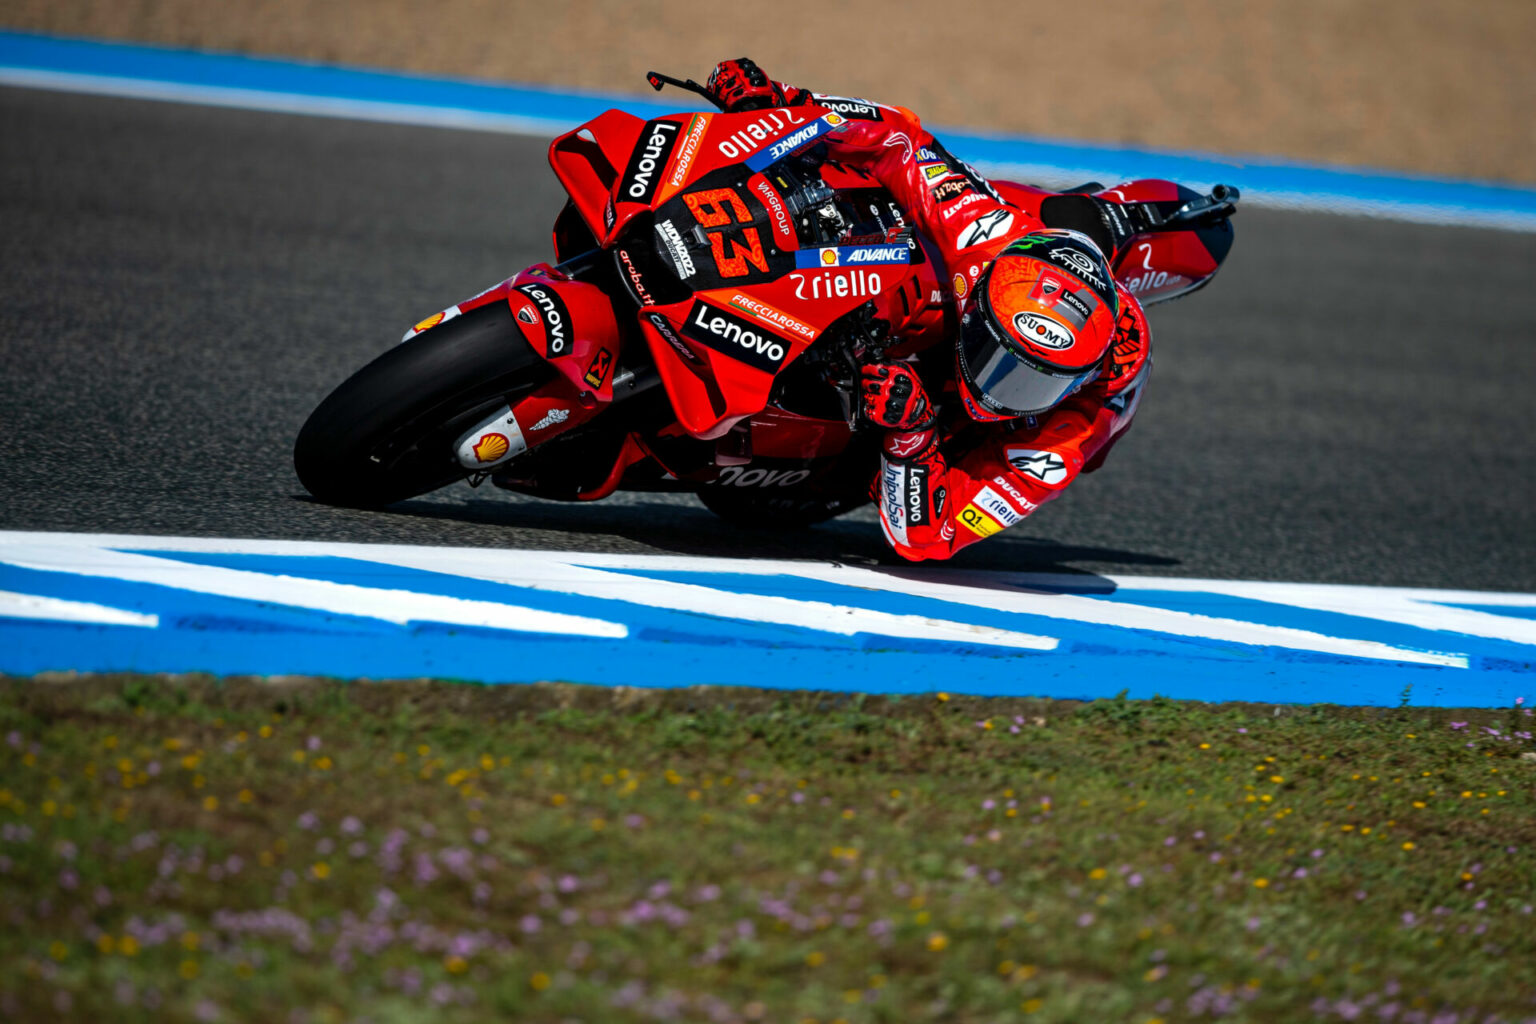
(893, 397)
(741, 85)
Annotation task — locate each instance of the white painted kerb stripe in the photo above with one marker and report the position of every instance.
(822, 616)
(30, 606)
(398, 606)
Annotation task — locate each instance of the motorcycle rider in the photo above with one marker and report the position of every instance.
(1051, 356)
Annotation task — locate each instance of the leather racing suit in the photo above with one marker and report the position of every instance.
(954, 482)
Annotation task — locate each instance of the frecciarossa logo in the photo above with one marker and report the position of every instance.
(740, 339)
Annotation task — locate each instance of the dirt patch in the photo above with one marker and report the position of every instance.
(1413, 85)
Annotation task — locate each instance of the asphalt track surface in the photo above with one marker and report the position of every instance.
(1348, 402)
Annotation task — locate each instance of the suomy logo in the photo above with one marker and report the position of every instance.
(1042, 331)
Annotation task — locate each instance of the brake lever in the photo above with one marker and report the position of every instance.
(657, 80)
(1222, 202)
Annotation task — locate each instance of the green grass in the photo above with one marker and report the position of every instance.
(193, 850)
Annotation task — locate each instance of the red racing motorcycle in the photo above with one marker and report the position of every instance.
(718, 284)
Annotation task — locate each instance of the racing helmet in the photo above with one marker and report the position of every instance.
(1039, 328)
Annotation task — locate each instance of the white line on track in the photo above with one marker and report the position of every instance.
(1082, 599)
(397, 606)
(30, 606)
(563, 578)
(273, 102)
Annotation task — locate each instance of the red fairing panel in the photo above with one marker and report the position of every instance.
(588, 161)
(571, 324)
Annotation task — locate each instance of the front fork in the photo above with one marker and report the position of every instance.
(571, 323)
(552, 409)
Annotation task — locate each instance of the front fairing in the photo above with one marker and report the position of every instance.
(741, 247)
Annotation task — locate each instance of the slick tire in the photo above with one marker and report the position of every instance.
(387, 432)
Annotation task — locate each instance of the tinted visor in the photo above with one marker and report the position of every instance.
(1007, 381)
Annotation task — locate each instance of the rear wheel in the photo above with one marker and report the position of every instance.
(387, 432)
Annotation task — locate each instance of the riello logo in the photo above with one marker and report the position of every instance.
(748, 138)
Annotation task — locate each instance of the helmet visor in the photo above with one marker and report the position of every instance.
(1008, 382)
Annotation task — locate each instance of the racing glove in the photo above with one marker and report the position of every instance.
(894, 397)
(741, 85)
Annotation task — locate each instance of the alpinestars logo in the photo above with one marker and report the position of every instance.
(986, 227)
(740, 339)
(1047, 467)
(648, 161)
(557, 319)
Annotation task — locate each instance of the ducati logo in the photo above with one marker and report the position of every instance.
(528, 316)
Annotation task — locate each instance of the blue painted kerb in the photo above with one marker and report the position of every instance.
(534, 109)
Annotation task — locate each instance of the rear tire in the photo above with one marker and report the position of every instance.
(387, 432)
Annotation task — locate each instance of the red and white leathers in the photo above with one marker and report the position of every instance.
(950, 485)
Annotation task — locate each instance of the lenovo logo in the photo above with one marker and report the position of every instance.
(648, 161)
(740, 339)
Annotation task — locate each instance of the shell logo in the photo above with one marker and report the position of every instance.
(960, 286)
(834, 119)
(429, 322)
(491, 447)
(829, 257)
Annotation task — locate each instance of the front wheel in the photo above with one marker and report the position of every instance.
(387, 432)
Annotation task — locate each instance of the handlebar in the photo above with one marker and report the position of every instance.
(657, 80)
(1222, 202)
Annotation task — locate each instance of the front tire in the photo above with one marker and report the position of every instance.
(387, 432)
